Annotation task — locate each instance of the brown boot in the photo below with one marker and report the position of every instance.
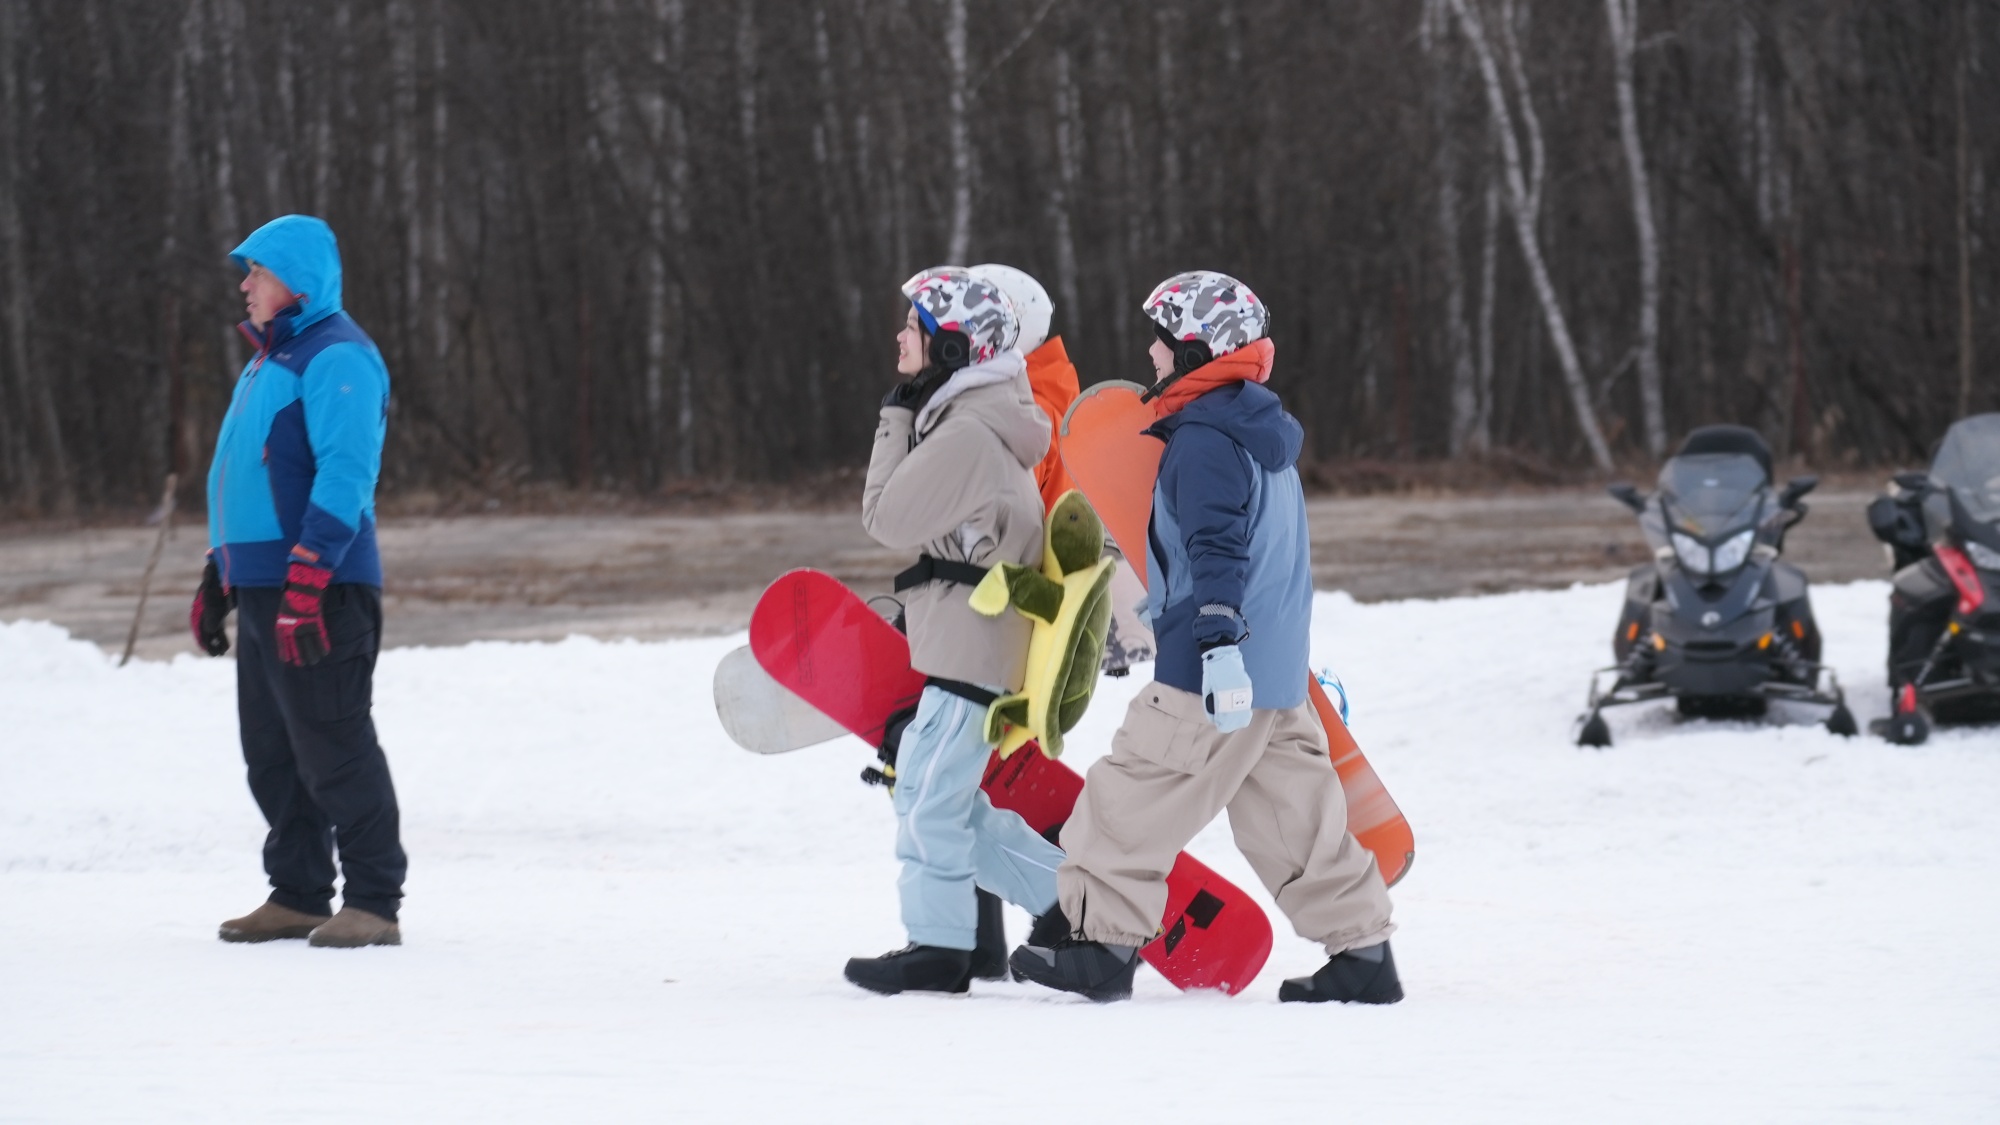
(270, 922)
(353, 928)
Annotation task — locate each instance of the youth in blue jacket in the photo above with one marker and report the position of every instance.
(1226, 723)
(301, 446)
(1227, 558)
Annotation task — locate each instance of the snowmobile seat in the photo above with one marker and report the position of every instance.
(1729, 439)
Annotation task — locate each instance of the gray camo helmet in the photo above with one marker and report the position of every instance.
(951, 299)
(1209, 307)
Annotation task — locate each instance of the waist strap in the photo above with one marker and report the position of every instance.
(971, 692)
(930, 568)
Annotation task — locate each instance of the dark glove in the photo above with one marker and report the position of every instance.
(301, 629)
(902, 395)
(912, 394)
(212, 603)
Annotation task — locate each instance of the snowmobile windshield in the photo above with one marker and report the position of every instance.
(1710, 493)
(1968, 463)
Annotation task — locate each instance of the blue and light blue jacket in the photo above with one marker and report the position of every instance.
(301, 447)
(1228, 537)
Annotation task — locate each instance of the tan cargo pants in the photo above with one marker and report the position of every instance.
(1169, 772)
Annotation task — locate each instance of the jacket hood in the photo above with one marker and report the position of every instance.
(302, 252)
(998, 395)
(1053, 376)
(1251, 415)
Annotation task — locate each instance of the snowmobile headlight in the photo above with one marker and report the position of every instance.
(1733, 551)
(1693, 555)
(1983, 557)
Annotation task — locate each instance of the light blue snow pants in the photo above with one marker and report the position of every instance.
(949, 836)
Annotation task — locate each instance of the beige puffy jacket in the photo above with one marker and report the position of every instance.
(957, 482)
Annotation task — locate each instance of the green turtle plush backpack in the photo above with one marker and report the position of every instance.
(1069, 602)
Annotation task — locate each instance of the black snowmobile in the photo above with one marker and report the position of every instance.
(1716, 622)
(1943, 534)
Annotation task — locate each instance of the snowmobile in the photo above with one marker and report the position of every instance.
(1942, 530)
(1717, 622)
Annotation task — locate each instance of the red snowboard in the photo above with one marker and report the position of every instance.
(819, 639)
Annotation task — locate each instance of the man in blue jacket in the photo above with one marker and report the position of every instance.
(1227, 723)
(291, 533)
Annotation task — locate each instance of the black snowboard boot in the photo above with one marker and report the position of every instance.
(1048, 929)
(989, 957)
(1357, 976)
(914, 968)
(1094, 969)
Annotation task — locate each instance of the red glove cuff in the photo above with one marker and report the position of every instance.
(307, 576)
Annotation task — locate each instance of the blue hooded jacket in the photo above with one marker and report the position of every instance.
(301, 447)
(1229, 535)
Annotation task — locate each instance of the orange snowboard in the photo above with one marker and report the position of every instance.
(1110, 458)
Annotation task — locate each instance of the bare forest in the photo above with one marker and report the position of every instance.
(639, 244)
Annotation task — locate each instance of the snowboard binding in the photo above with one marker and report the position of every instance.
(892, 740)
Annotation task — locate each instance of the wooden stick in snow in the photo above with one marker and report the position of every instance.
(153, 560)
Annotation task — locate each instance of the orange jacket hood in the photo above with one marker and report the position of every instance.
(1054, 381)
(1250, 363)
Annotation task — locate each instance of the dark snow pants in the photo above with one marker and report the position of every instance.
(316, 769)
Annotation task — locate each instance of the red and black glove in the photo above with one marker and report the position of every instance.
(301, 629)
(212, 603)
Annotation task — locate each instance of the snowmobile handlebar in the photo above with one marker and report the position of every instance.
(1628, 495)
(1796, 488)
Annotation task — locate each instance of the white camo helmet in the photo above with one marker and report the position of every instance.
(951, 299)
(1210, 307)
(1031, 301)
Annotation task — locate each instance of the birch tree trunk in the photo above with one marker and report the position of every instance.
(678, 214)
(830, 166)
(1458, 336)
(31, 390)
(1623, 16)
(653, 116)
(278, 156)
(1164, 25)
(746, 128)
(439, 298)
(829, 158)
(403, 61)
(960, 242)
(1489, 260)
(1964, 185)
(1525, 218)
(1067, 126)
(227, 212)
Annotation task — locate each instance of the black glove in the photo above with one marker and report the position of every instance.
(902, 395)
(212, 604)
(912, 394)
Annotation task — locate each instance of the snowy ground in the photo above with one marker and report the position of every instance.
(613, 914)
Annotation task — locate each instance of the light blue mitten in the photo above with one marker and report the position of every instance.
(1225, 688)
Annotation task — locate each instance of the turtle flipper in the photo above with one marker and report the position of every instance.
(1030, 591)
(1006, 714)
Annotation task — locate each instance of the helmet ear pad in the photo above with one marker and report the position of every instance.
(1190, 354)
(949, 349)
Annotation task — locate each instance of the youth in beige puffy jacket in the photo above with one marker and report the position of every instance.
(952, 477)
(956, 480)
